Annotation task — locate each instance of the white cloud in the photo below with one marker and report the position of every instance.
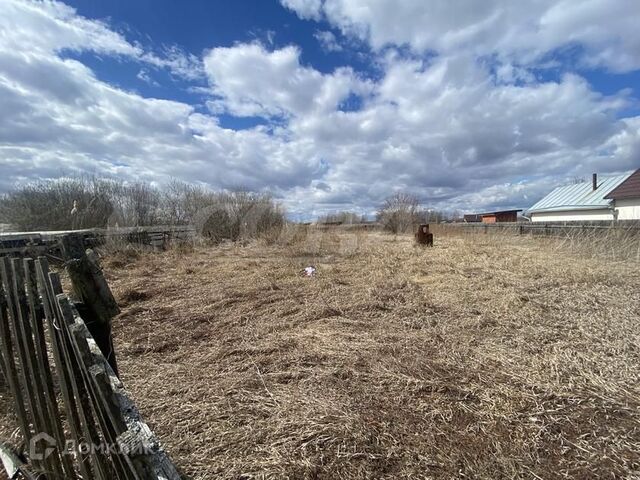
(328, 41)
(143, 75)
(50, 27)
(453, 129)
(58, 118)
(248, 80)
(445, 129)
(307, 9)
(606, 30)
(179, 63)
(53, 26)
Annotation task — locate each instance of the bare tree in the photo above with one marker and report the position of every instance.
(399, 212)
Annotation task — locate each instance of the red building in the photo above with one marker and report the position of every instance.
(500, 217)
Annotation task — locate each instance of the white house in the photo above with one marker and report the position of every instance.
(608, 199)
(626, 197)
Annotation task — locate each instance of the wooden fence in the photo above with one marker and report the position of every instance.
(548, 229)
(75, 416)
(38, 243)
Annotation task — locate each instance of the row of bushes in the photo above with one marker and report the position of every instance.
(92, 202)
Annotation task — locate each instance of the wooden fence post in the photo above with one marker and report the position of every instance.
(91, 289)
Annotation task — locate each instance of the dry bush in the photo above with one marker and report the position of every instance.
(399, 213)
(47, 205)
(88, 202)
(618, 243)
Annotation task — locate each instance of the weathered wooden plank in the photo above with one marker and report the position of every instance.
(10, 461)
(46, 289)
(92, 290)
(98, 409)
(24, 249)
(60, 464)
(88, 281)
(8, 350)
(30, 364)
(146, 452)
(88, 431)
(36, 243)
(110, 425)
(11, 375)
(3, 312)
(14, 466)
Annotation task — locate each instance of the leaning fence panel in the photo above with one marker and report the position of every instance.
(38, 321)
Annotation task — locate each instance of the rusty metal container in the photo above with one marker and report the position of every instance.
(423, 236)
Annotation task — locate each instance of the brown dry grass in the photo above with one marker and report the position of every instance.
(480, 358)
(484, 357)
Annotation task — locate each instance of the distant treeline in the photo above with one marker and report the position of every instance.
(399, 213)
(345, 218)
(93, 202)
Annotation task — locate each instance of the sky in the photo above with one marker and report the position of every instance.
(328, 104)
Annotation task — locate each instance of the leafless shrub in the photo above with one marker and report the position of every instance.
(88, 202)
(614, 243)
(140, 204)
(399, 212)
(64, 203)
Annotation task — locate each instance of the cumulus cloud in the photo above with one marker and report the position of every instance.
(607, 31)
(248, 80)
(307, 9)
(50, 27)
(444, 128)
(54, 26)
(60, 119)
(452, 127)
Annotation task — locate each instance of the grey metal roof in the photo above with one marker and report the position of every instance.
(580, 196)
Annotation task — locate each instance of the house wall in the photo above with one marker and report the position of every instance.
(507, 217)
(628, 209)
(488, 219)
(573, 216)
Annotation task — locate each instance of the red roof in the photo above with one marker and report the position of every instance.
(630, 188)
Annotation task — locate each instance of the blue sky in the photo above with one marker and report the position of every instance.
(328, 104)
(197, 26)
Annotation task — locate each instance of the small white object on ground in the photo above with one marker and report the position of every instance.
(310, 271)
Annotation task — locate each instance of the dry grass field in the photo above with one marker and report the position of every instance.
(494, 357)
(483, 357)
